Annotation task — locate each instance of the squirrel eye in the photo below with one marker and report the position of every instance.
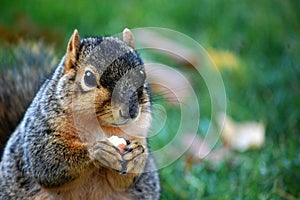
(90, 79)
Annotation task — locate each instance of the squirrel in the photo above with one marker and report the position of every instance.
(20, 66)
(61, 148)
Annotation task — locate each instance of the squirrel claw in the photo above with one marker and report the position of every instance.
(122, 172)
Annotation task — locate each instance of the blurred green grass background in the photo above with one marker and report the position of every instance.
(264, 36)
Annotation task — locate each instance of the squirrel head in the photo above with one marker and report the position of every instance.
(109, 80)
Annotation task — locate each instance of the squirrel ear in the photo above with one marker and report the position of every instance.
(128, 37)
(72, 51)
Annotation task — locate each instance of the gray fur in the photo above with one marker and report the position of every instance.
(21, 76)
(35, 156)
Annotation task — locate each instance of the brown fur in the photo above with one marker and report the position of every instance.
(67, 154)
(113, 186)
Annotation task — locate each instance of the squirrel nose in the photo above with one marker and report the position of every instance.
(129, 108)
(124, 114)
(130, 112)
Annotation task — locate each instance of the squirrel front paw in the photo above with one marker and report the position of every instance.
(131, 160)
(103, 153)
(134, 157)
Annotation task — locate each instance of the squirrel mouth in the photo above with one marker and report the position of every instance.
(121, 117)
(125, 122)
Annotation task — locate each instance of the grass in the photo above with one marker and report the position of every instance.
(263, 35)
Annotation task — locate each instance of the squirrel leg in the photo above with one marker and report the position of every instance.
(49, 166)
(147, 184)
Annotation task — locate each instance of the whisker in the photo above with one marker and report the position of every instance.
(162, 92)
(102, 114)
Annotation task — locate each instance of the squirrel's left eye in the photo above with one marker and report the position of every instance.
(90, 79)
